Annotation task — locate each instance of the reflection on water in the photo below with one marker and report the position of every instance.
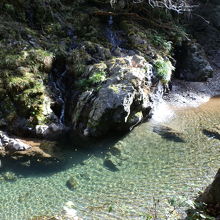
(150, 166)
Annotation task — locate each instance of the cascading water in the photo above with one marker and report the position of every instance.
(58, 81)
(112, 35)
(57, 84)
(115, 37)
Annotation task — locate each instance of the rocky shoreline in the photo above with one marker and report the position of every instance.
(92, 73)
(193, 94)
(28, 152)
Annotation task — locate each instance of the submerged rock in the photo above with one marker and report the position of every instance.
(213, 132)
(111, 164)
(9, 176)
(69, 212)
(114, 159)
(169, 133)
(72, 183)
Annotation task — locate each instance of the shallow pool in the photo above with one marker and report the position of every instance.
(156, 162)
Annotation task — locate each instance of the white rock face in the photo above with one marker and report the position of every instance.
(12, 143)
(17, 145)
(125, 91)
(50, 131)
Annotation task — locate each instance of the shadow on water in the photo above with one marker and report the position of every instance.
(211, 134)
(75, 151)
(168, 133)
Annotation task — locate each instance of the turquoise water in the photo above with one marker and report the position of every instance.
(152, 166)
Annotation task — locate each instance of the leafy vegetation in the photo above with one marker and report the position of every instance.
(95, 79)
(24, 76)
(164, 69)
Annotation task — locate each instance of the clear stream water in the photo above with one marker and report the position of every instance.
(153, 167)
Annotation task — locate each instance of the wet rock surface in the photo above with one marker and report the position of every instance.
(57, 73)
(51, 131)
(212, 132)
(207, 35)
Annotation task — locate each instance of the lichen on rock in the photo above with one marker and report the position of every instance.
(123, 93)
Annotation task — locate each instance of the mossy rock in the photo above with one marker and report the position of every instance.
(23, 83)
(9, 176)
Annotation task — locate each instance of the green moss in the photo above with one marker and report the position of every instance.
(160, 41)
(23, 79)
(164, 69)
(29, 42)
(77, 61)
(95, 79)
(9, 176)
(114, 88)
(19, 84)
(9, 8)
(92, 124)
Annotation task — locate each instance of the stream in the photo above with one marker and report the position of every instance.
(158, 162)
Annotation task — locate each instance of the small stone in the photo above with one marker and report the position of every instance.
(72, 183)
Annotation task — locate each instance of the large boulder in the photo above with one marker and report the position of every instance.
(212, 192)
(193, 64)
(115, 95)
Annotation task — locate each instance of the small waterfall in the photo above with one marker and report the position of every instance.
(58, 81)
(115, 37)
(62, 87)
(111, 34)
(58, 87)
